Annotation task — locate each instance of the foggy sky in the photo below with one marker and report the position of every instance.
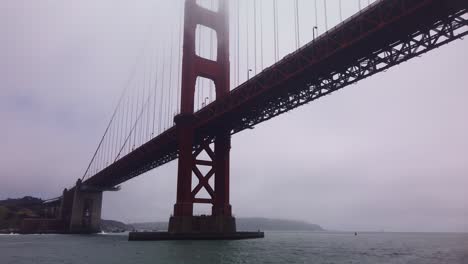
(389, 153)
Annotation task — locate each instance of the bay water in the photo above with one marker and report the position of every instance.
(276, 247)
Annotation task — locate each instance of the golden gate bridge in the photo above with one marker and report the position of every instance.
(210, 69)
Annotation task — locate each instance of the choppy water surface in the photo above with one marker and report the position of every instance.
(276, 247)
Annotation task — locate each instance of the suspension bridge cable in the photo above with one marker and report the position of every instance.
(154, 90)
(148, 90)
(316, 17)
(104, 152)
(140, 124)
(161, 105)
(99, 151)
(131, 120)
(255, 36)
(126, 115)
(261, 35)
(121, 124)
(179, 69)
(276, 32)
(170, 80)
(238, 42)
(341, 10)
(211, 56)
(111, 120)
(201, 92)
(295, 23)
(247, 41)
(150, 80)
(274, 29)
(116, 139)
(326, 15)
(359, 4)
(143, 89)
(198, 82)
(109, 141)
(145, 104)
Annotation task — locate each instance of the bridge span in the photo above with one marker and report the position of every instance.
(383, 35)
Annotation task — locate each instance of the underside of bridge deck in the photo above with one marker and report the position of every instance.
(386, 34)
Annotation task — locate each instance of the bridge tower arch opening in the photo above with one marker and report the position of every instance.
(217, 164)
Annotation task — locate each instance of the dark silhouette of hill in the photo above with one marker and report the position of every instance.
(13, 211)
(246, 224)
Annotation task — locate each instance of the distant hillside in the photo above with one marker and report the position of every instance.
(150, 226)
(111, 226)
(25, 201)
(246, 224)
(13, 211)
(258, 223)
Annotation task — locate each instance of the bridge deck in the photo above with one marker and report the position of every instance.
(383, 35)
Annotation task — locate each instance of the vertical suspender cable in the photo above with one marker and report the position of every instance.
(136, 115)
(150, 81)
(198, 81)
(169, 112)
(117, 127)
(111, 140)
(326, 15)
(138, 118)
(255, 36)
(179, 69)
(131, 119)
(261, 35)
(161, 104)
(296, 33)
(238, 42)
(211, 56)
(275, 25)
(148, 88)
(154, 90)
(247, 40)
(105, 151)
(122, 125)
(316, 16)
(126, 116)
(202, 51)
(134, 111)
(341, 10)
(143, 87)
(143, 96)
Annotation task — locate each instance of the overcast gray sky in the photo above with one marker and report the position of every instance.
(390, 152)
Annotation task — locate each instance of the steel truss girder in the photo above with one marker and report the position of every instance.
(302, 77)
(417, 44)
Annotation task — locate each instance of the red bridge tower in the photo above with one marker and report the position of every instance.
(194, 66)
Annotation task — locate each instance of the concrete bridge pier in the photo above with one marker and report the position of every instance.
(81, 209)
